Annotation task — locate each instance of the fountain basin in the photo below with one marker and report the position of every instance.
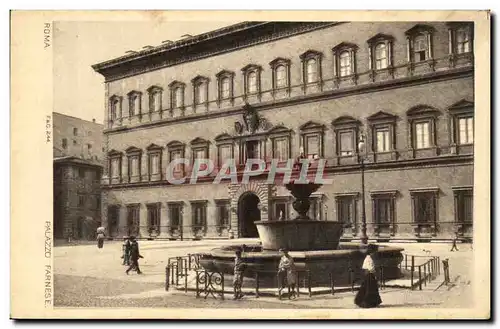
(299, 235)
(343, 264)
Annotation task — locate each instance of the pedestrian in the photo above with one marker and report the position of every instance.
(100, 238)
(126, 250)
(287, 271)
(368, 295)
(239, 267)
(134, 256)
(454, 246)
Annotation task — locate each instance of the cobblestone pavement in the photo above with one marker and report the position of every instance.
(86, 276)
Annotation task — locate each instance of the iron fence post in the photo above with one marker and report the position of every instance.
(420, 277)
(412, 269)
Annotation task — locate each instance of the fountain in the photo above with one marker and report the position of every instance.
(313, 244)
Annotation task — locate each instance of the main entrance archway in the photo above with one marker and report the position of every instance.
(248, 213)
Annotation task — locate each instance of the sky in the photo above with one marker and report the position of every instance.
(78, 89)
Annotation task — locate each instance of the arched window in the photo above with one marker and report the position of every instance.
(281, 76)
(345, 63)
(380, 56)
(312, 70)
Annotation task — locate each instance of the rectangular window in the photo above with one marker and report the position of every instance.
(424, 210)
(200, 153)
(345, 64)
(199, 214)
(465, 208)
(225, 92)
(420, 48)
(224, 154)
(75, 131)
(81, 172)
(346, 210)
(466, 130)
(312, 146)
(175, 216)
(115, 167)
(380, 56)
(154, 216)
(422, 135)
(346, 143)
(383, 210)
(201, 93)
(64, 143)
(154, 163)
(281, 77)
(134, 169)
(177, 97)
(133, 219)
(280, 210)
(382, 138)
(280, 149)
(223, 213)
(252, 149)
(81, 200)
(174, 155)
(89, 147)
(462, 41)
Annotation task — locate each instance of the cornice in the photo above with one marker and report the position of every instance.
(303, 99)
(202, 46)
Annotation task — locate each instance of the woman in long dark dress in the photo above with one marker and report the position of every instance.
(368, 295)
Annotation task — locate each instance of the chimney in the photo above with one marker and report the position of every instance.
(93, 120)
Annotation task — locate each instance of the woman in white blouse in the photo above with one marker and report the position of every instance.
(368, 295)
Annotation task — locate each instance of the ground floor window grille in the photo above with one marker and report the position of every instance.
(133, 219)
(154, 218)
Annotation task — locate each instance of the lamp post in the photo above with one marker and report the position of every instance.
(361, 150)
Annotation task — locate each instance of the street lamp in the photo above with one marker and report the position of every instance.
(362, 153)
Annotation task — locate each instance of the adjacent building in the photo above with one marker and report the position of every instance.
(77, 174)
(270, 89)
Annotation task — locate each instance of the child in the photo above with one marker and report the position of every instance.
(126, 251)
(238, 275)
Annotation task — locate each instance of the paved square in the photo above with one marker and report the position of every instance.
(86, 276)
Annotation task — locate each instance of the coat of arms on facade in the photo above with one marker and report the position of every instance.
(252, 121)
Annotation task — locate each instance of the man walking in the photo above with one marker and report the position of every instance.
(454, 246)
(134, 256)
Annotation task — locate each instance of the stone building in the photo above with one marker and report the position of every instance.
(77, 168)
(270, 89)
(77, 137)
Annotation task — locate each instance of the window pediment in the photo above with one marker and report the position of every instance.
(199, 79)
(224, 137)
(134, 93)
(419, 28)
(225, 73)
(311, 125)
(133, 149)
(175, 144)
(344, 46)
(345, 120)
(199, 142)
(279, 129)
(176, 84)
(115, 97)
(114, 153)
(382, 116)
(421, 110)
(380, 37)
(251, 67)
(311, 54)
(154, 89)
(280, 60)
(154, 147)
(462, 106)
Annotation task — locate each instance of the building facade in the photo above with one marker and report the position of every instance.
(269, 89)
(78, 158)
(77, 198)
(77, 137)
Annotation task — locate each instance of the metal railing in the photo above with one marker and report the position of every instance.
(177, 269)
(426, 271)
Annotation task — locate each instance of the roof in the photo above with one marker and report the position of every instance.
(76, 160)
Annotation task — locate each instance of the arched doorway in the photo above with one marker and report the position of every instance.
(248, 213)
